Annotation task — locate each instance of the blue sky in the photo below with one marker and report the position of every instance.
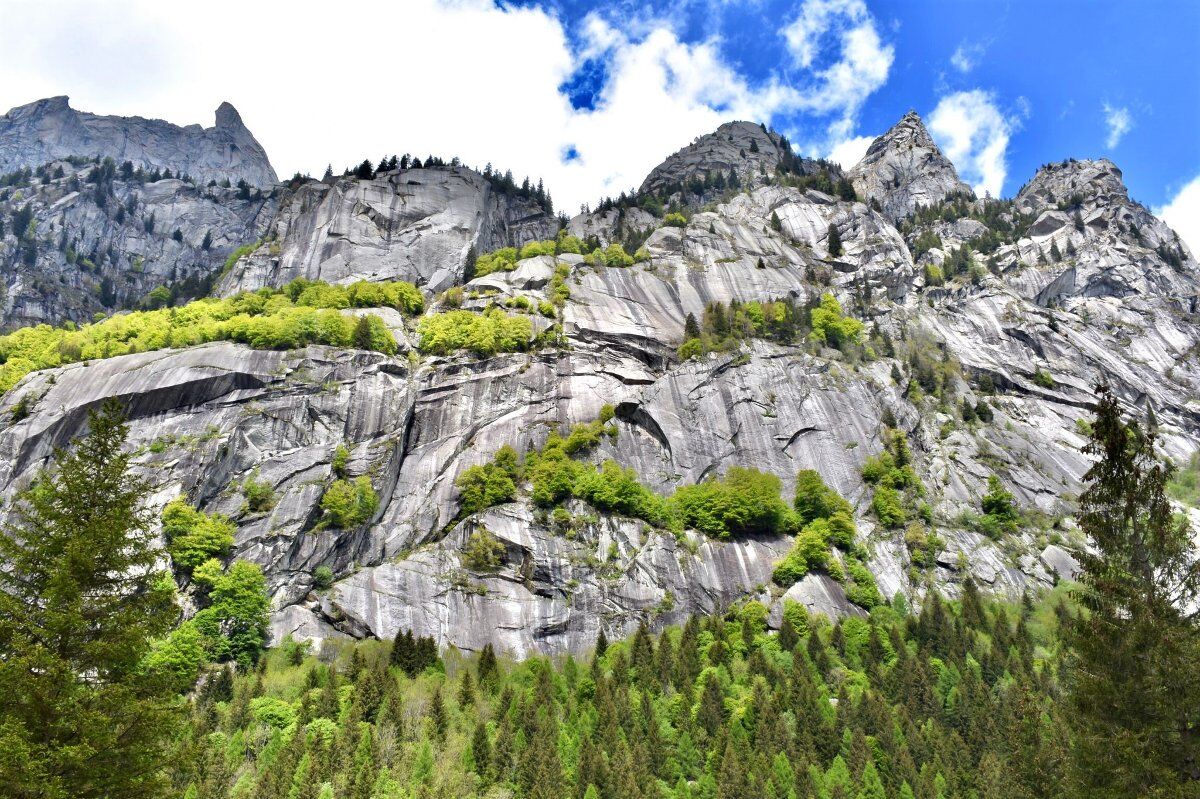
(1082, 79)
(590, 96)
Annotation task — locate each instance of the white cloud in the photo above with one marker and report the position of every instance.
(1119, 123)
(973, 133)
(849, 152)
(449, 77)
(861, 67)
(1182, 213)
(966, 56)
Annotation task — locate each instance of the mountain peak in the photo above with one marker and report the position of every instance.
(747, 149)
(49, 129)
(904, 168)
(228, 116)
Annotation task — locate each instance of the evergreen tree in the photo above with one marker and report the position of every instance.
(835, 241)
(80, 601)
(1135, 669)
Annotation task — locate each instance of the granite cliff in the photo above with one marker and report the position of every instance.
(986, 325)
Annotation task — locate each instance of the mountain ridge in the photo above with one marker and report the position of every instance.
(984, 326)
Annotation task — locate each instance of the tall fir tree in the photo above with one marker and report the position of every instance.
(1134, 674)
(81, 600)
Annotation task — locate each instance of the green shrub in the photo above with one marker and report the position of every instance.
(259, 494)
(349, 503)
(265, 319)
(536, 248)
(815, 500)
(1184, 483)
(234, 625)
(745, 501)
(322, 578)
(341, 459)
(999, 511)
(1043, 378)
(370, 333)
(692, 348)
(178, 657)
(862, 590)
(810, 551)
(483, 552)
(888, 508)
(194, 537)
(612, 255)
(483, 486)
(616, 490)
(502, 260)
(675, 220)
(830, 326)
(484, 333)
(933, 275)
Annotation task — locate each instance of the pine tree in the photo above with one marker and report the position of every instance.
(80, 602)
(1135, 665)
(835, 241)
(691, 329)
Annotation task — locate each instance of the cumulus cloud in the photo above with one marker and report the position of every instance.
(860, 67)
(966, 56)
(971, 130)
(1119, 122)
(1182, 213)
(449, 77)
(849, 152)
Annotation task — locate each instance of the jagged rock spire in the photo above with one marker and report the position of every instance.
(904, 168)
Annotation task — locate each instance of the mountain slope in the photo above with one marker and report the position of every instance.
(49, 130)
(903, 168)
(977, 358)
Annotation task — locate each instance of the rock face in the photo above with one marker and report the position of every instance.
(49, 130)
(95, 247)
(414, 224)
(989, 372)
(744, 148)
(903, 168)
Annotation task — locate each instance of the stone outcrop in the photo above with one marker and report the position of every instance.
(49, 130)
(419, 225)
(744, 148)
(903, 168)
(95, 248)
(1023, 336)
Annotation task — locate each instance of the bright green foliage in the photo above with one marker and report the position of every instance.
(1043, 378)
(484, 334)
(234, 625)
(830, 326)
(726, 326)
(1135, 671)
(616, 490)
(715, 710)
(483, 552)
(888, 507)
(300, 314)
(194, 537)
(815, 500)
(370, 333)
(349, 503)
(999, 512)
(861, 590)
(80, 602)
(612, 255)
(260, 496)
(897, 485)
(933, 275)
(743, 502)
(340, 460)
(675, 220)
(322, 577)
(483, 486)
(1184, 483)
(810, 551)
(502, 260)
